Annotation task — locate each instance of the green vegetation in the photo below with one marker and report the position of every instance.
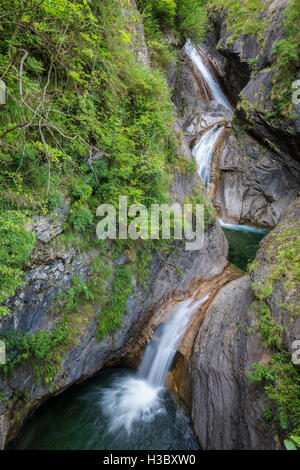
(282, 377)
(74, 91)
(287, 53)
(248, 17)
(112, 313)
(41, 349)
(282, 389)
(242, 17)
(16, 244)
(186, 17)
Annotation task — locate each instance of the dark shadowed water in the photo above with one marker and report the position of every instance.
(79, 420)
(243, 246)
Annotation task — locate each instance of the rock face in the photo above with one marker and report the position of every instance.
(195, 109)
(278, 268)
(31, 311)
(228, 411)
(248, 183)
(251, 182)
(233, 60)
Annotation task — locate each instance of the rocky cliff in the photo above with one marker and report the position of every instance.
(247, 319)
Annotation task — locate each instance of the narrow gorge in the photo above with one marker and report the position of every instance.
(141, 343)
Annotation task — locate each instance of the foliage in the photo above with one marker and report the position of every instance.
(113, 311)
(16, 243)
(242, 18)
(188, 17)
(287, 52)
(270, 331)
(283, 388)
(40, 349)
(81, 218)
(292, 443)
(282, 377)
(74, 87)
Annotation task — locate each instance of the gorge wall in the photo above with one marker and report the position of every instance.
(255, 179)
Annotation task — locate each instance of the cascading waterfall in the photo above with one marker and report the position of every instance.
(136, 399)
(203, 152)
(204, 149)
(213, 85)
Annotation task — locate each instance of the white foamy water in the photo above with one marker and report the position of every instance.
(139, 399)
(243, 228)
(204, 150)
(213, 85)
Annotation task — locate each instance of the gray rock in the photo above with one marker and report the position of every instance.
(227, 410)
(249, 183)
(283, 295)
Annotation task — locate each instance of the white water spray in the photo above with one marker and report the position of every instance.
(139, 399)
(203, 152)
(213, 85)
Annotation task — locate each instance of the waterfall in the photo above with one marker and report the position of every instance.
(204, 149)
(213, 85)
(139, 398)
(203, 152)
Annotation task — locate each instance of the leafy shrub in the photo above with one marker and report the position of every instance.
(81, 219)
(283, 389)
(54, 201)
(188, 17)
(39, 348)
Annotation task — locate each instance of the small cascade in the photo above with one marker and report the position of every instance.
(207, 75)
(204, 150)
(140, 398)
(243, 228)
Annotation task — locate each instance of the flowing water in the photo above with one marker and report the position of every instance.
(203, 152)
(121, 410)
(215, 89)
(204, 149)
